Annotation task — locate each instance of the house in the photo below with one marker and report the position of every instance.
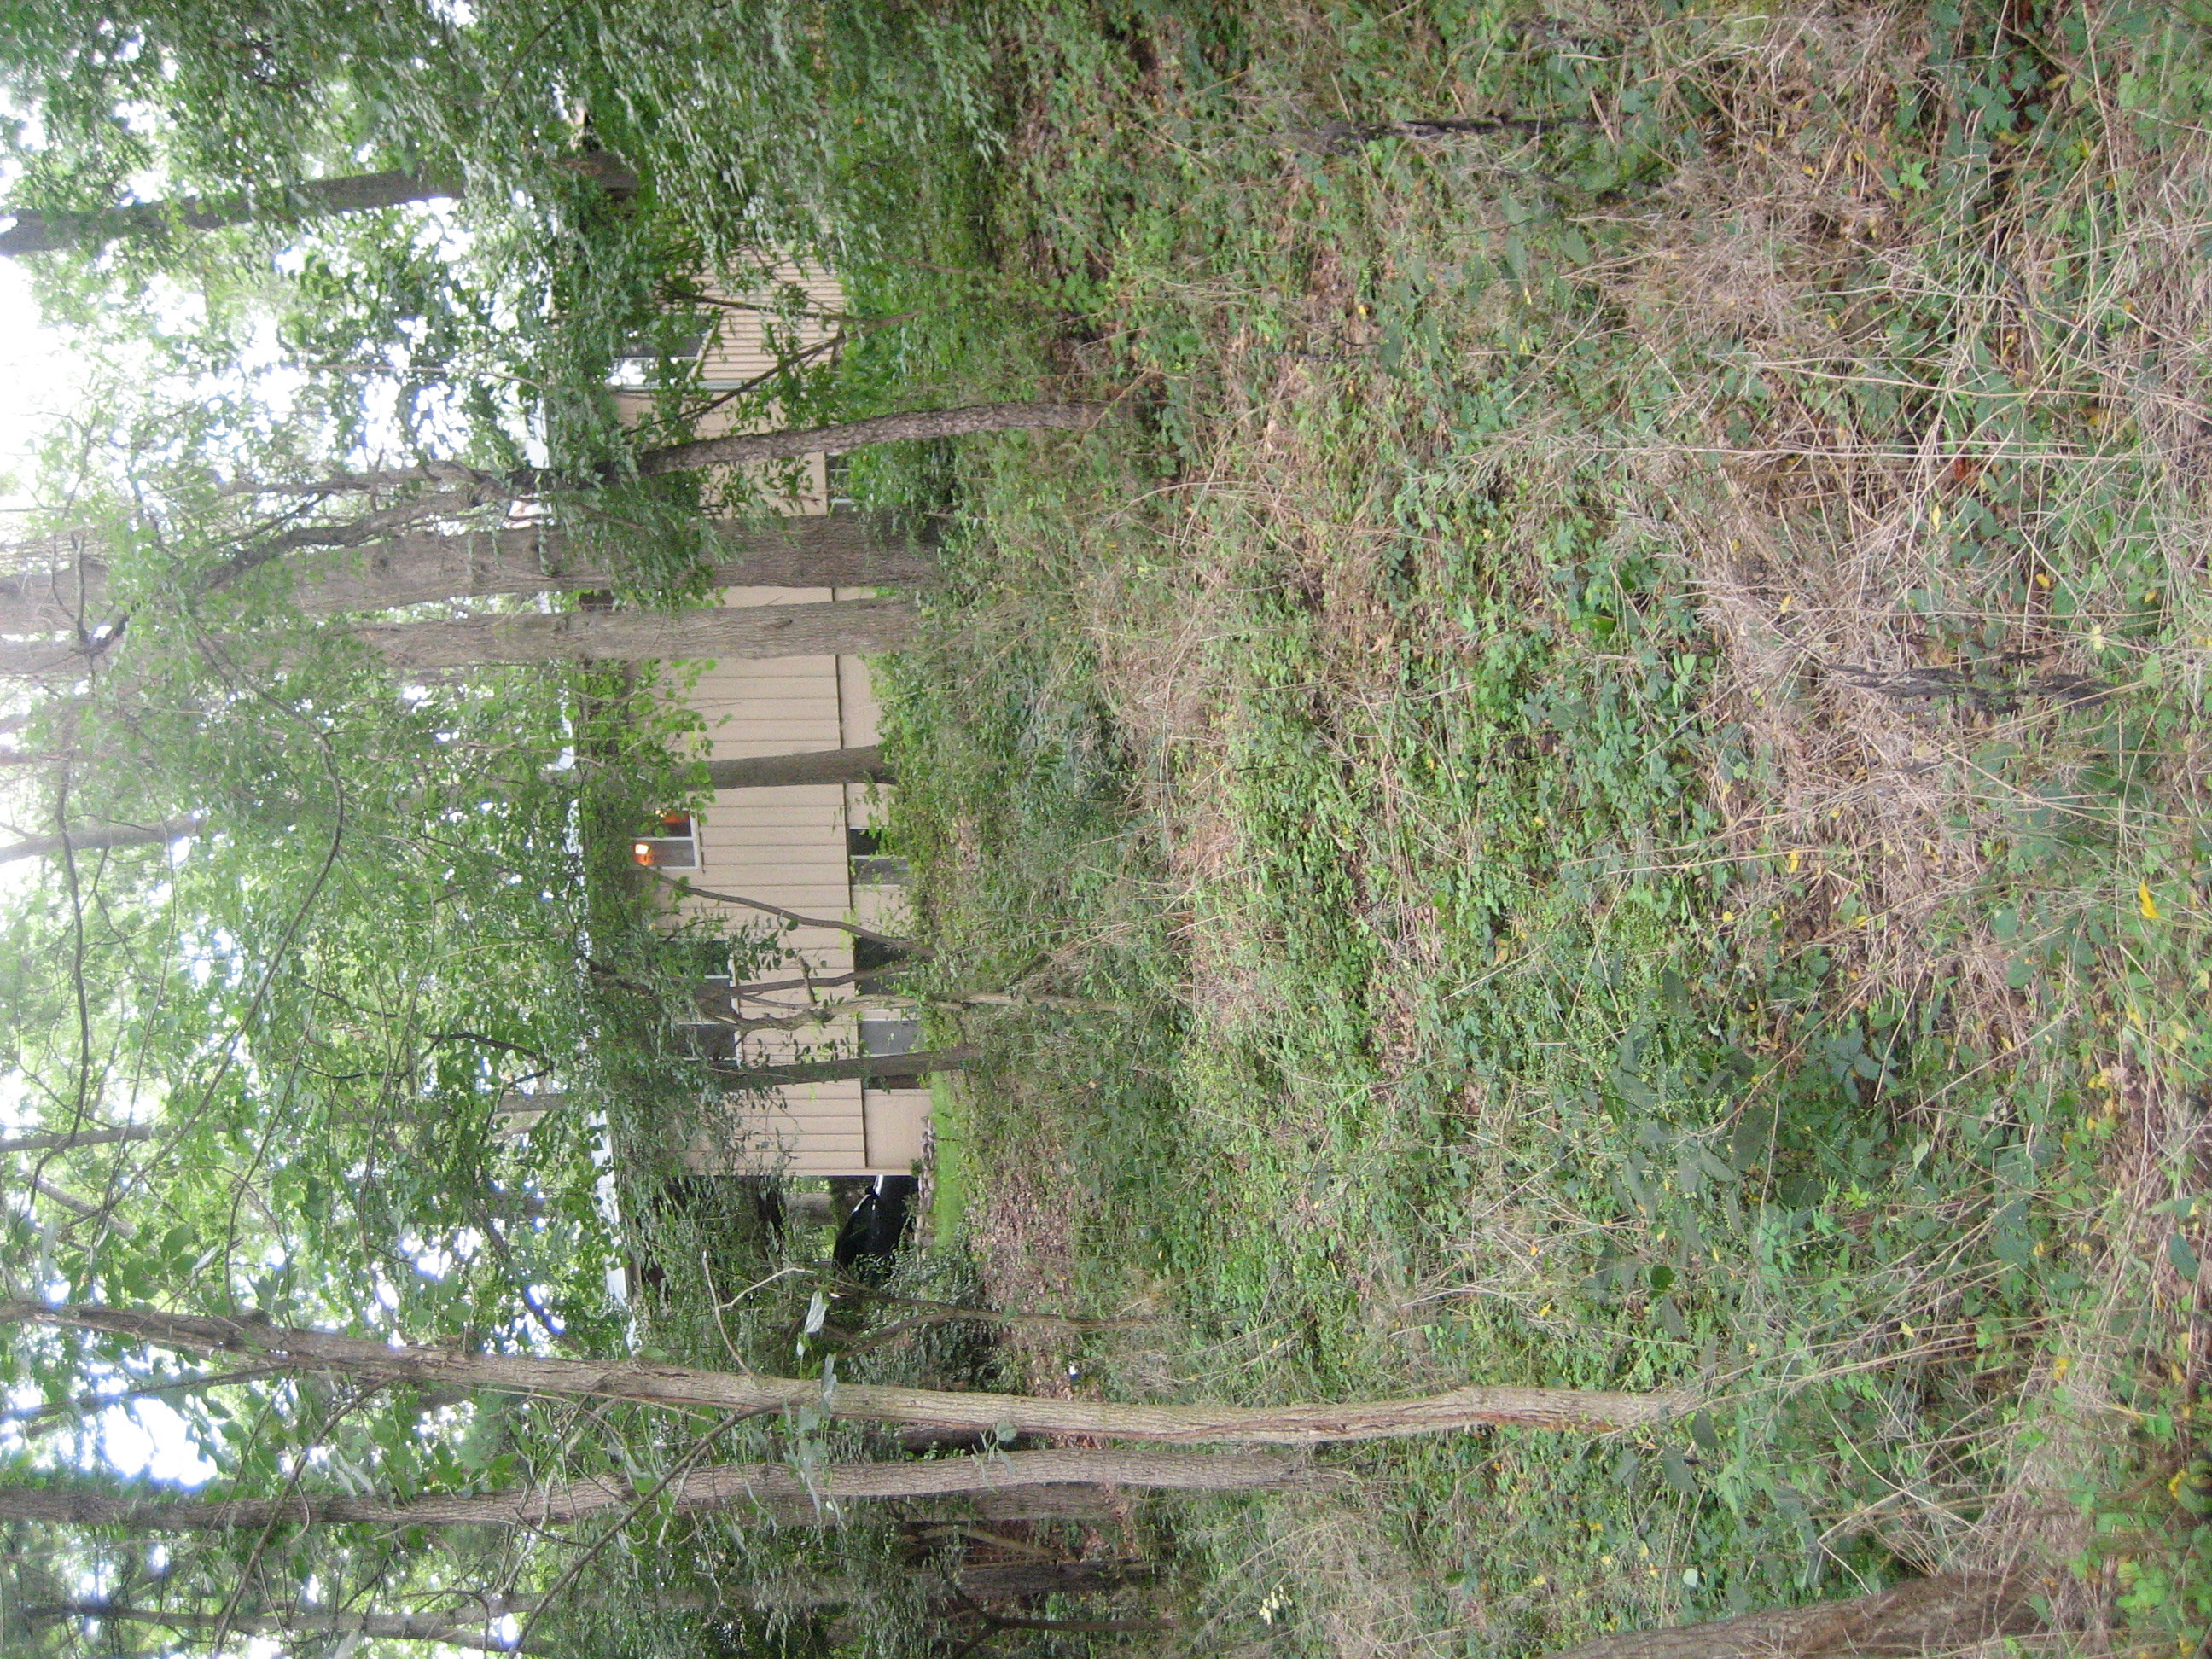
(808, 848)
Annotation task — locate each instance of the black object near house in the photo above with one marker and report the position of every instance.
(877, 1229)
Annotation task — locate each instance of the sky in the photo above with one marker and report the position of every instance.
(39, 380)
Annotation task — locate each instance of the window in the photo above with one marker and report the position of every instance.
(644, 360)
(874, 956)
(698, 958)
(671, 842)
(891, 1035)
(872, 865)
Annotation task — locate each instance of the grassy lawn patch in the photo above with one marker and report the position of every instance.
(1620, 708)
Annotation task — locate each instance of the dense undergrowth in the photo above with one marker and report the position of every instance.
(1621, 704)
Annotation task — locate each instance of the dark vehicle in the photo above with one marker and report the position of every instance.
(877, 1229)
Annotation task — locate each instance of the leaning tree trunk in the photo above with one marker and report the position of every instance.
(817, 551)
(1947, 1614)
(863, 765)
(740, 449)
(34, 232)
(86, 839)
(862, 1067)
(268, 1348)
(70, 1139)
(775, 1487)
(376, 1627)
(839, 628)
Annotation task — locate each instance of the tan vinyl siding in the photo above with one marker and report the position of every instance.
(738, 351)
(897, 1121)
(786, 846)
(738, 354)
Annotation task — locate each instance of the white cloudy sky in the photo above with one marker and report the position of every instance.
(38, 378)
(38, 381)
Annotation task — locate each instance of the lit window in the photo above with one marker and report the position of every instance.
(674, 844)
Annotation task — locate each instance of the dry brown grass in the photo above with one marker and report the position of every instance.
(1868, 819)
(1805, 541)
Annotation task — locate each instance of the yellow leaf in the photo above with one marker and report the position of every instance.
(2145, 902)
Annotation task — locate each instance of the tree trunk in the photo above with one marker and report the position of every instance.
(822, 766)
(739, 449)
(1942, 1614)
(683, 885)
(1013, 1580)
(840, 1071)
(775, 1487)
(837, 550)
(864, 765)
(84, 840)
(63, 1143)
(34, 232)
(1093, 1626)
(1091, 1503)
(267, 1346)
(381, 1627)
(839, 628)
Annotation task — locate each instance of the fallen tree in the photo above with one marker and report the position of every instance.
(272, 1347)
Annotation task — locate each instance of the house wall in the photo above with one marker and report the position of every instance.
(787, 847)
